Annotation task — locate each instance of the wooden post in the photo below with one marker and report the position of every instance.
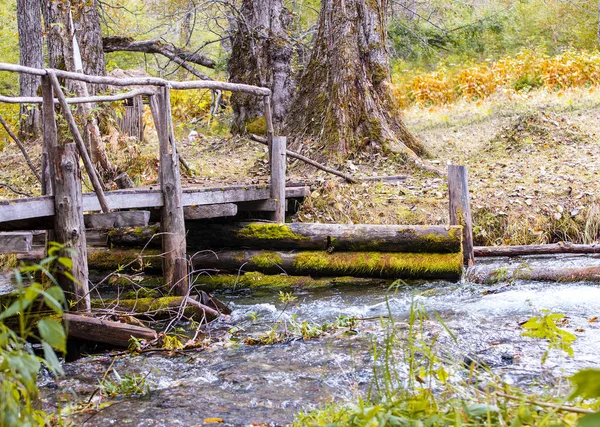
(69, 227)
(278, 159)
(172, 222)
(460, 210)
(89, 167)
(50, 133)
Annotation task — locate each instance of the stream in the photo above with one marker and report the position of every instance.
(269, 384)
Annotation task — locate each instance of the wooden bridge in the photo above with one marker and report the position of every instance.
(65, 210)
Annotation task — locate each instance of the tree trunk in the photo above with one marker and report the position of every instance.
(345, 97)
(31, 55)
(61, 56)
(89, 37)
(261, 55)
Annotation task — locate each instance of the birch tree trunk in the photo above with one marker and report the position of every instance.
(261, 55)
(345, 97)
(30, 55)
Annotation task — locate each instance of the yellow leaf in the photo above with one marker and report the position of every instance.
(213, 420)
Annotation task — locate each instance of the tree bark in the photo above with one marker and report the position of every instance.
(345, 97)
(30, 55)
(89, 37)
(261, 55)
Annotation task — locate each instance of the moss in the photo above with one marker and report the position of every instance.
(140, 305)
(142, 293)
(269, 232)
(255, 280)
(381, 264)
(257, 126)
(112, 259)
(266, 260)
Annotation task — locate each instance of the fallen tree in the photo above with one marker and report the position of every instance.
(520, 250)
(393, 265)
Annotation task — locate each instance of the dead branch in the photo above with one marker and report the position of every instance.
(22, 148)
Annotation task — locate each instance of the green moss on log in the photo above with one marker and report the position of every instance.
(255, 280)
(268, 232)
(266, 260)
(154, 307)
(113, 259)
(379, 264)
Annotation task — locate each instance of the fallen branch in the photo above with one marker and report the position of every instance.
(128, 44)
(347, 177)
(22, 148)
(21, 193)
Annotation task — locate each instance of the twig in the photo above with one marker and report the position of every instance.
(573, 409)
(22, 148)
(15, 191)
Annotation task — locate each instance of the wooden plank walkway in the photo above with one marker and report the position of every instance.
(42, 208)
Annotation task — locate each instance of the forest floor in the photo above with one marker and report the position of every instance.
(533, 159)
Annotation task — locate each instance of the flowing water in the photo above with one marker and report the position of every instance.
(269, 384)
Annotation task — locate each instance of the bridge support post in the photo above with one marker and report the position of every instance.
(278, 159)
(172, 222)
(69, 228)
(460, 209)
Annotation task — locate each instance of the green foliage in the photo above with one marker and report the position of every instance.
(544, 327)
(124, 385)
(19, 365)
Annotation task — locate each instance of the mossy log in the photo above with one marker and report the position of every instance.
(307, 236)
(105, 331)
(255, 280)
(520, 250)
(393, 265)
(104, 259)
(544, 274)
(156, 308)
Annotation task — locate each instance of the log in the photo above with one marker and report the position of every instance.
(260, 206)
(254, 280)
(49, 137)
(278, 177)
(78, 100)
(210, 211)
(543, 274)
(15, 242)
(117, 219)
(460, 208)
(172, 220)
(322, 264)
(105, 331)
(104, 259)
(139, 81)
(156, 308)
(336, 237)
(307, 236)
(521, 250)
(69, 228)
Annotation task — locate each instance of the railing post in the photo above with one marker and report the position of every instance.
(172, 222)
(49, 133)
(278, 159)
(460, 209)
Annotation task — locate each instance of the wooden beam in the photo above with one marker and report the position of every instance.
(210, 211)
(140, 81)
(460, 208)
(520, 250)
(15, 242)
(49, 136)
(43, 207)
(268, 205)
(117, 219)
(172, 220)
(278, 159)
(78, 100)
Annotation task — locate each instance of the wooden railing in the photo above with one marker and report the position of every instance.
(60, 167)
